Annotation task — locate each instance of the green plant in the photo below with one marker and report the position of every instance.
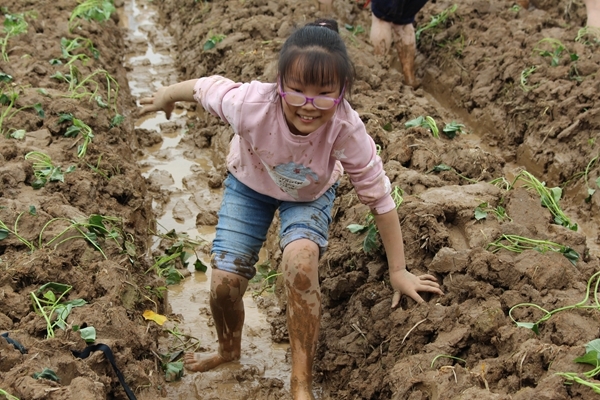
(92, 229)
(68, 46)
(550, 198)
(92, 10)
(46, 302)
(212, 41)
(446, 356)
(354, 29)
(7, 395)
(44, 169)
(78, 126)
(482, 210)
(555, 50)
(425, 122)
(583, 304)
(5, 230)
(8, 99)
(452, 129)
(370, 242)
(525, 76)
(592, 357)
(518, 244)
(590, 191)
(588, 32)
(266, 277)
(14, 24)
(46, 373)
(180, 251)
(436, 21)
(88, 87)
(444, 167)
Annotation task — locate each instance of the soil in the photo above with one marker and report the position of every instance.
(463, 345)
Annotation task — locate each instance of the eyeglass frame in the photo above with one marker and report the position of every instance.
(311, 99)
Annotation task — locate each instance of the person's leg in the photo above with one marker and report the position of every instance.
(227, 306)
(304, 234)
(406, 46)
(380, 35)
(244, 219)
(592, 8)
(300, 269)
(325, 5)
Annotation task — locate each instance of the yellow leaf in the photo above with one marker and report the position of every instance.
(151, 315)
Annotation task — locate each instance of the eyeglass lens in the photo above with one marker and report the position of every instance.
(297, 99)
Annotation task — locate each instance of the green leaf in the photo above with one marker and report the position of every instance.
(415, 122)
(571, 255)
(480, 213)
(356, 228)
(371, 243)
(387, 127)
(5, 77)
(591, 357)
(441, 167)
(39, 110)
(173, 371)
(32, 210)
(210, 44)
(46, 373)
(88, 334)
(529, 325)
(199, 266)
(18, 134)
(3, 233)
(117, 120)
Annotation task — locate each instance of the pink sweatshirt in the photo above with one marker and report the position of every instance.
(267, 157)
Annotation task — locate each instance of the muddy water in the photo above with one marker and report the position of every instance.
(151, 65)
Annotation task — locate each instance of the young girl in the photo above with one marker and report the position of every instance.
(293, 140)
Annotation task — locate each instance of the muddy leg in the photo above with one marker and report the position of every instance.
(592, 8)
(381, 36)
(325, 5)
(227, 307)
(300, 263)
(406, 46)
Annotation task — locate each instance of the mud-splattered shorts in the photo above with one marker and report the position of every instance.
(399, 12)
(245, 217)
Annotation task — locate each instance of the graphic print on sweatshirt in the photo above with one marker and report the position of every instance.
(291, 176)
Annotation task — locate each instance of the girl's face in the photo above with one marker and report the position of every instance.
(305, 119)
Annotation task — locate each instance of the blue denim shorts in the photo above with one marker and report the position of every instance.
(244, 220)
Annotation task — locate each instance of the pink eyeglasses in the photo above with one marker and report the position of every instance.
(321, 102)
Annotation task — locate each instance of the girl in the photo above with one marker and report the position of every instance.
(293, 139)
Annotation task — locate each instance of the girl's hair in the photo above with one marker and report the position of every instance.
(316, 55)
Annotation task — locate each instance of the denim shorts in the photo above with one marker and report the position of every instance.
(244, 220)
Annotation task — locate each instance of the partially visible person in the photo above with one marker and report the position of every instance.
(592, 8)
(392, 24)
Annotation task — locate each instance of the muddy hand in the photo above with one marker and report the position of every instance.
(406, 283)
(158, 102)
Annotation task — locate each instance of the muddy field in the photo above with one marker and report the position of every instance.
(504, 213)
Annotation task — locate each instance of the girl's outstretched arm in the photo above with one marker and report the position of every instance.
(402, 280)
(164, 99)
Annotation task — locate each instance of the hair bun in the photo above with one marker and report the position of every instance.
(325, 23)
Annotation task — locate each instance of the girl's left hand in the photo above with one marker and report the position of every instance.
(405, 283)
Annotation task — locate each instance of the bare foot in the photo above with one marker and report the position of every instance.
(301, 390)
(195, 362)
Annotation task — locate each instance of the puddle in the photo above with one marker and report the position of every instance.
(151, 66)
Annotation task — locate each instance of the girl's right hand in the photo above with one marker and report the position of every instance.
(160, 101)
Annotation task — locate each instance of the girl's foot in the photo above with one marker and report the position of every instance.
(195, 362)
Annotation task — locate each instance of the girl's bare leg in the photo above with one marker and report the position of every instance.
(300, 264)
(406, 46)
(380, 35)
(227, 307)
(325, 5)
